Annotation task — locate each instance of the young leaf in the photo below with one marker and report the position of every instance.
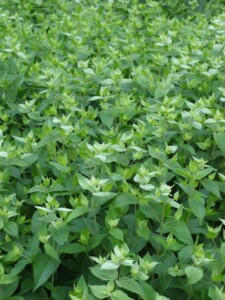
(100, 291)
(104, 274)
(194, 274)
(119, 295)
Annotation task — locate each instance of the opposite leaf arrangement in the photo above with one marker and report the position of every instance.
(112, 146)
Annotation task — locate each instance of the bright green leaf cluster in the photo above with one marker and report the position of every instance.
(112, 146)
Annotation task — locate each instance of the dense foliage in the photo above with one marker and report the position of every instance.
(112, 146)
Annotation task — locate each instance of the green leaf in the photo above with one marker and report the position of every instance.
(25, 161)
(124, 199)
(212, 187)
(180, 230)
(100, 291)
(11, 228)
(51, 252)
(117, 234)
(219, 139)
(148, 293)
(157, 154)
(119, 295)
(45, 141)
(43, 268)
(107, 116)
(176, 168)
(59, 233)
(94, 241)
(101, 198)
(104, 274)
(107, 81)
(84, 182)
(11, 92)
(131, 285)
(194, 274)
(7, 290)
(185, 254)
(78, 211)
(59, 167)
(197, 205)
(215, 293)
(73, 248)
(109, 265)
(19, 266)
(203, 173)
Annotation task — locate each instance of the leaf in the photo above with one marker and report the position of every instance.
(45, 141)
(100, 291)
(25, 161)
(11, 92)
(43, 268)
(197, 205)
(3, 154)
(124, 199)
(215, 293)
(104, 274)
(19, 266)
(94, 98)
(101, 198)
(84, 183)
(38, 188)
(107, 81)
(8, 289)
(107, 116)
(185, 254)
(60, 233)
(153, 211)
(51, 252)
(157, 154)
(79, 211)
(59, 167)
(130, 285)
(180, 230)
(73, 248)
(29, 158)
(194, 274)
(109, 265)
(89, 71)
(21, 55)
(176, 168)
(94, 241)
(203, 173)
(119, 295)
(117, 234)
(212, 187)
(33, 247)
(219, 139)
(148, 293)
(11, 228)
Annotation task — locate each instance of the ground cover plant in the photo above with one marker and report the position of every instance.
(112, 146)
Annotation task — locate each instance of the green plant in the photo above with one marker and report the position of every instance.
(111, 150)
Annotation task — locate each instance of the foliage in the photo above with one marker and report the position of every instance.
(112, 146)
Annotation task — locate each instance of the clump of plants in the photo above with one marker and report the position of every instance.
(112, 146)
